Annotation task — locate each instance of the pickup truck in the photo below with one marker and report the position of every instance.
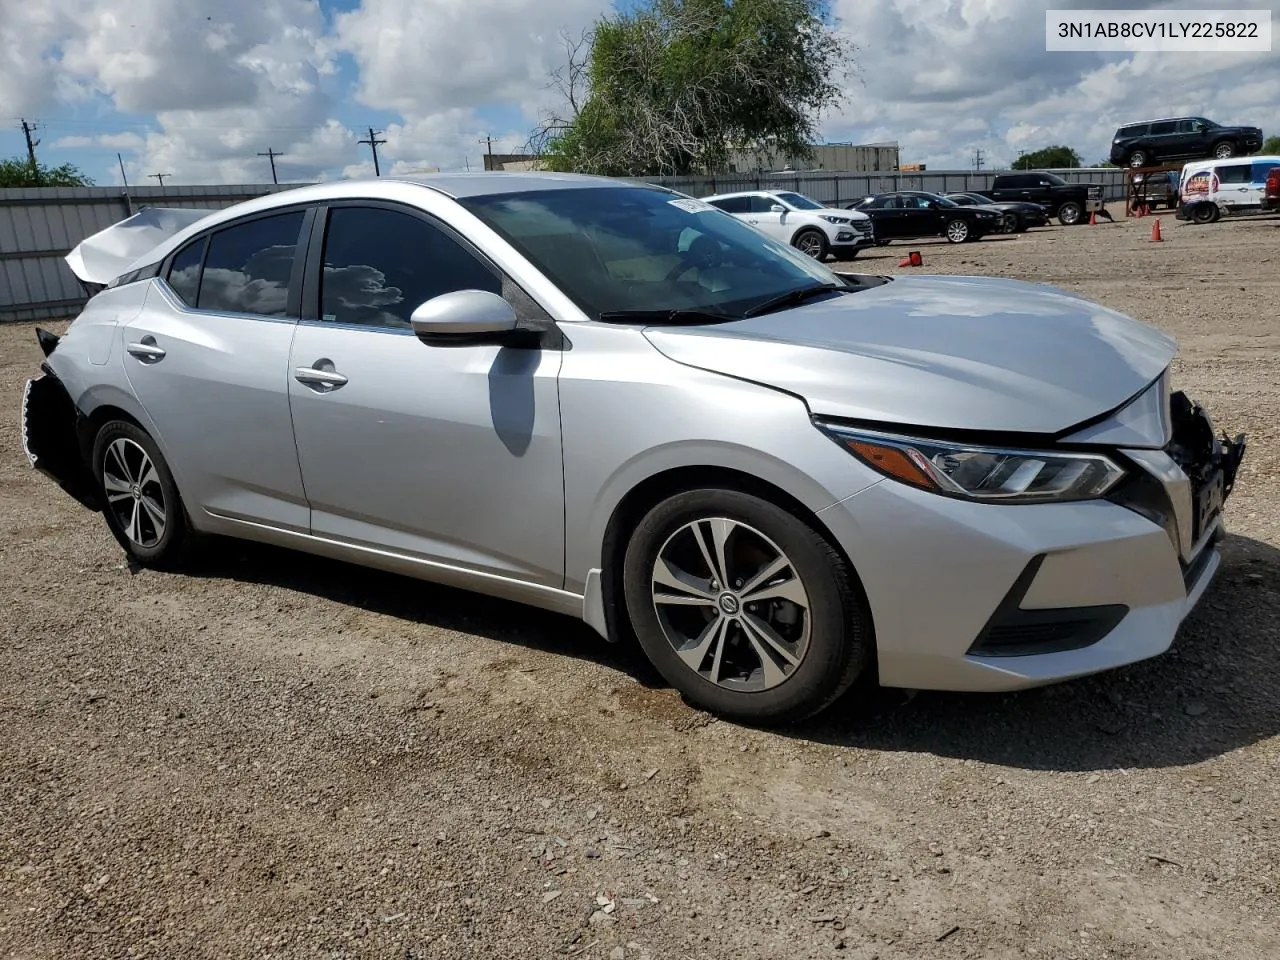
(1070, 202)
(1271, 192)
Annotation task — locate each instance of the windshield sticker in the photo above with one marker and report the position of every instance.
(689, 205)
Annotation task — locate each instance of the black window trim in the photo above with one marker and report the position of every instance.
(294, 298)
(533, 315)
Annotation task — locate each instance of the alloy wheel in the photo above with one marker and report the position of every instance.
(134, 493)
(810, 244)
(1223, 151)
(1009, 223)
(731, 604)
(957, 231)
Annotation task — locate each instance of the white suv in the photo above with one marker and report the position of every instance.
(804, 223)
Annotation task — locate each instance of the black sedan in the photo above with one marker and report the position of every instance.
(1017, 215)
(914, 214)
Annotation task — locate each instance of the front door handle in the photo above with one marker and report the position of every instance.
(146, 350)
(320, 375)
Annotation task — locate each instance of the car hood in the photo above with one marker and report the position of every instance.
(965, 353)
(839, 212)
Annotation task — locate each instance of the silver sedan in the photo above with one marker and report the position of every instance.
(617, 402)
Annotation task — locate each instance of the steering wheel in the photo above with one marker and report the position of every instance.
(701, 253)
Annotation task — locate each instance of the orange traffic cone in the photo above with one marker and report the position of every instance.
(1155, 232)
(1140, 211)
(1093, 219)
(912, 259)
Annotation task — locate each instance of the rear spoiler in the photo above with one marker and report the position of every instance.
(100, 258)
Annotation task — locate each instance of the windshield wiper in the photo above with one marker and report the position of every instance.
(793, 297)
(664, 316)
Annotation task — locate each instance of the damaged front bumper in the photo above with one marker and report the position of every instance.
(53, 432)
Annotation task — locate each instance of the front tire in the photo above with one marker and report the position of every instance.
(1224, 150)
(743, 607)
(1138, 158)
(141, 502)
(1011, 223)
(1070, 213)
(957, 231)
(812, 243)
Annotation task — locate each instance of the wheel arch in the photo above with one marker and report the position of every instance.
(647, 493)
(809, 226)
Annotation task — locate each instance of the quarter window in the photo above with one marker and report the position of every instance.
(249, 266)
(184, 271)
(1234, 173)
(381, 265)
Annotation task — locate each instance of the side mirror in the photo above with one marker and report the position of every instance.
(777, 208)
(464, 316)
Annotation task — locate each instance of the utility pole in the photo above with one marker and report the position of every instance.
(160, 177)
(373, 142)
(977, 159)
(128, 200)
(28, 129)
(488, 142)
(272, 155)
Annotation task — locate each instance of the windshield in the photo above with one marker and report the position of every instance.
(944, 202)
(632, 248)
(799, 201)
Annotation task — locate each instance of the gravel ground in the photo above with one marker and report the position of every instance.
(277, 756)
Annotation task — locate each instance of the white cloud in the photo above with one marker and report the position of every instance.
(422, 57)
(946, 77)
(208, 84)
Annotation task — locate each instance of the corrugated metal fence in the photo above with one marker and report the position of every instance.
(40, 225)
(838, 189)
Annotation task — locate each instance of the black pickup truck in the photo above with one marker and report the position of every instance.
(1069, 202)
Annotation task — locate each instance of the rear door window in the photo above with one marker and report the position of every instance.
(184, 271)
(249, 266)
(1234, 172)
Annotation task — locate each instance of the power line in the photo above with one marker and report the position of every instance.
(373, 142)
(977, 159)
(160, 176)
(272, 155)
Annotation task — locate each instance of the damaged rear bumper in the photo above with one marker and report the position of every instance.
(51, 430)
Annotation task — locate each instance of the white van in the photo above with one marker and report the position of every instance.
(1211, 189)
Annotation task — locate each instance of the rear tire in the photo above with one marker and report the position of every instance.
(141, 502)
(697, 622)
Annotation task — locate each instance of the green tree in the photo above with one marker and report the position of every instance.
(18, 172)
(1271, 146)
(676, 85)
(1049, 157)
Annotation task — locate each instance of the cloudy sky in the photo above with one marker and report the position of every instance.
(196, 88)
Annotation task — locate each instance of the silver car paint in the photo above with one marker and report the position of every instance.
(934, 568)
(438, 452)
(951, 352)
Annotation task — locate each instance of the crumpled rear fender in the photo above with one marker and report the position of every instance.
(54, 438)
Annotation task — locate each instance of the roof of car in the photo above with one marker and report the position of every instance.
(743, 193)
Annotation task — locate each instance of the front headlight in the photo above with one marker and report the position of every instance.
(830, 219)
(985, 474)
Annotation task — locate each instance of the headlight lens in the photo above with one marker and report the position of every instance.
(836, 219)
(985, 474)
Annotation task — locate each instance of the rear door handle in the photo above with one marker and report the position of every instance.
(320, 375)
(146, 350)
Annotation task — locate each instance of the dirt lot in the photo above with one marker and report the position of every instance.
(276, 756)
